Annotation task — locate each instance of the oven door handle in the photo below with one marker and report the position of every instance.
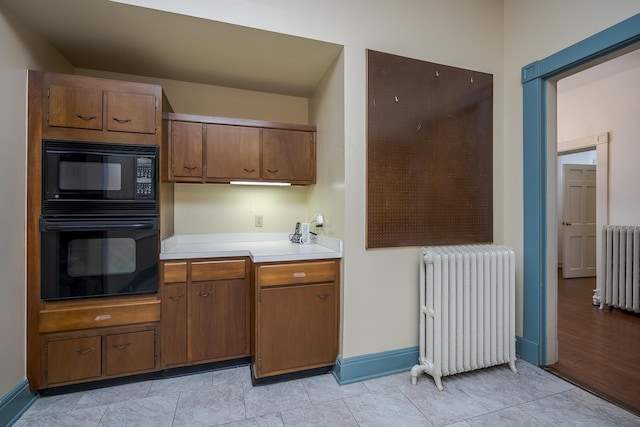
(91, 227)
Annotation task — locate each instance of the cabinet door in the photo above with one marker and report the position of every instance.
(174, 325)
(297, 328)
(130, 352)
(288, 156)
(74, 359)
(130, 112)
(219, 319)
(75, 107)
(186, 151)
(233, 152)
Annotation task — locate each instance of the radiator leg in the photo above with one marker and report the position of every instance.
(415, 371)
(438, 380)
(512, 366)
(596, 297)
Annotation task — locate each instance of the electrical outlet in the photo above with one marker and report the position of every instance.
(258, 220)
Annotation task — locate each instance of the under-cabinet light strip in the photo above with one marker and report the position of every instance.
(273, 184)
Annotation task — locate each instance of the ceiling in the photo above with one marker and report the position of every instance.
(109, 36)
(115, 37)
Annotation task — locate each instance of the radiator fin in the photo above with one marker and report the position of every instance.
(467, 309)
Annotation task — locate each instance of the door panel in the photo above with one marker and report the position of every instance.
(579, 221)
(297, 327)
(174, 325)
(218, 319)
(233, 152)
(74, 359)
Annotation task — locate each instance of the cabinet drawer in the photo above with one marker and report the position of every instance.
(174, 272)
(130, 352)
(217, 270)
(304, 272)
(68, 318)
(74, 359)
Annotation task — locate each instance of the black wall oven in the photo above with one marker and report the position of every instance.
(99, 225)
(104, 257)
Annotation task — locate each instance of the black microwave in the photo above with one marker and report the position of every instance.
(99, 179)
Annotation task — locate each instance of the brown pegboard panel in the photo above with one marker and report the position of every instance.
(429, 153)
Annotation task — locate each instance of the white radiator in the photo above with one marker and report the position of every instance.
(621, 267)
(467, 310)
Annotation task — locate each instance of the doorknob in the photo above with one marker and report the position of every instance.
(566, 223)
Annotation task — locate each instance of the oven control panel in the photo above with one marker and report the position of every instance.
(145, 178)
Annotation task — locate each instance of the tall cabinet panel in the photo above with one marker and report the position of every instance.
(82, 339)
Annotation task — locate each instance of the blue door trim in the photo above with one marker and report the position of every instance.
(533, 343)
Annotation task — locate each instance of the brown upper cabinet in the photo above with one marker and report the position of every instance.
(90, 109)
(186, 151)
(233, 152)
(216, 149)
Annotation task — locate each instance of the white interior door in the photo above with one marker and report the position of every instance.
(579, 221)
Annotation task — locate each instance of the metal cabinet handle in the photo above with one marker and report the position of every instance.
(323, 296)
(203, 295)
(273, 170)
(249, 170)
(121, 346)
(85, 351)
(300, 274)
(176, 298)
(87, 118)
(121, 120)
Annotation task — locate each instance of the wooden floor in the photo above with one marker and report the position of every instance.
(598, 350)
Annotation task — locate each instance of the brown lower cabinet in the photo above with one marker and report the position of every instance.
(295, 316)
(99, 353)
(205, 308)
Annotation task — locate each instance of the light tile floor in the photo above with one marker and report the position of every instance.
(488, 397)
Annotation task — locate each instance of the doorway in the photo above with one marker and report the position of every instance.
(538, 343)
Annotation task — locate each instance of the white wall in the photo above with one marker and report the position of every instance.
(609, 105)
(21, 50)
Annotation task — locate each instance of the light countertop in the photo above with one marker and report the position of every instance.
(260, 247)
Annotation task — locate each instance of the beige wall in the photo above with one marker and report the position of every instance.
(223, 208)
(326, 110)
(209, 100)
(21, 50)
